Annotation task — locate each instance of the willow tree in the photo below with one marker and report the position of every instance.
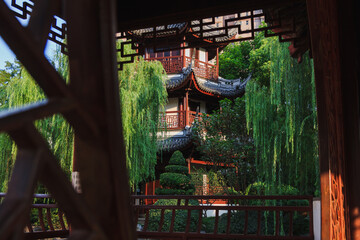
(143, 94)
(20, 89)
(281, 114)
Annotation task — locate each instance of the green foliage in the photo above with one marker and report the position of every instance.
(259, 189)
(177, 169)
(281, 115)
(20, 89)
(176, 180)
(6, 160)
(169, 191)
(177, 159)
(180, 216)
(222, 138)
(237, 223)
(234, 60)
(238, 60)
(260, 60)
(280, 109)
(143, 94)
(216, 181)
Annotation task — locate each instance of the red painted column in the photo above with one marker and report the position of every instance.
(189, 165)
(186, 108)
(183, 54)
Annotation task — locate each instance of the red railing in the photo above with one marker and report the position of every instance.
(244, 217)
(173, 119)
(177, 119)
(171, 64)
(174, 64)
(205, 70)
(46, 219)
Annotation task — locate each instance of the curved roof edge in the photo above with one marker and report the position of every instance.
(175, 143)
(222, 88)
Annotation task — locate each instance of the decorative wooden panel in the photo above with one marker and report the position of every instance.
(288, 22)
(93, 111)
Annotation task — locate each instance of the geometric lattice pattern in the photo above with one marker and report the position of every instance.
(282, 22)
(98, 137)
(199, 32)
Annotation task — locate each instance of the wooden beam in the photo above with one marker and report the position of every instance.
(41, 19)
(14, 118)
(52, 176)
(15, 208)
(100, 159)
(131, 16)
(28, 51)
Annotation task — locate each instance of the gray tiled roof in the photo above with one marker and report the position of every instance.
(224, 87)
(176, 142)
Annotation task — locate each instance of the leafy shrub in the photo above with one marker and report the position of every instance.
(177, 169)
(216, 182)
(169, 191)
(180, 216)
(177, 159)
(176, 180)
(259, 188)
(237, 223)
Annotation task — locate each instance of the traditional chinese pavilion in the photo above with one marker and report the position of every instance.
(193, 84)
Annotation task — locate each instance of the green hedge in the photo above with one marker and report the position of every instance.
(237, 223)
(176, 179)
(164, 191)
(177, 169)
(180, 216)
(177, 159)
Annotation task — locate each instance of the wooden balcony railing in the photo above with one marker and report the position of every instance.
(46, 219)
(177, 119)
(244, 217)
(174, 64)
(205, 70)
(171, 64)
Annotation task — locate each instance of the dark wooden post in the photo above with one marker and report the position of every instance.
(100, 155)
(334, 47)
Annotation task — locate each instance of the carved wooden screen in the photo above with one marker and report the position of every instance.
(90, 103)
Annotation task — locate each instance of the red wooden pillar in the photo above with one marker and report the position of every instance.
(189, 164)
(183, 54)
(186, 104)
(153, 187)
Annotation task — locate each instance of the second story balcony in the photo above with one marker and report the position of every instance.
(174, 61)
(176, 120)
